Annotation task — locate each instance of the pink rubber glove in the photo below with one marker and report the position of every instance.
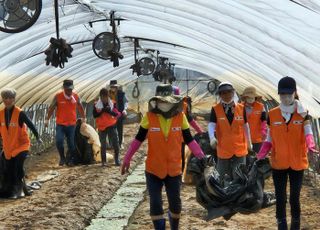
(196, 150)
(115, 110)
(134, 146)
(196, 127)
(310, 143)
(265, 148)
(264, 130)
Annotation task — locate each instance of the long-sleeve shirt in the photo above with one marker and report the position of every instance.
(23, 119)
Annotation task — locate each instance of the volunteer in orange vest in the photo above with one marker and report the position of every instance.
(256, 116)
(118, 96)
(106, 114)
(165, 126)
(229, 132)
(187, 111)
(15, 142)
(66, 104)
(289, 138)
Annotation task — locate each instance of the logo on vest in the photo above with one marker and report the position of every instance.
(299, 122)
(257, 112)
(176, 128)
(12, 124)
(221, 118)
(238, 118)
(277, 123)
(154, 129)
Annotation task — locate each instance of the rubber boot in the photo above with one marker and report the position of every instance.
(159, 224)
(174, 222)
(103, 159)
(116, 158)
(282, 224)
(295, 224)
(17, 191)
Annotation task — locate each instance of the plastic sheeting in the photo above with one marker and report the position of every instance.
(245, 42)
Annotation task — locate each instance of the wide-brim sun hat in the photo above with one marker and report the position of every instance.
(164, 92)
(250, 92)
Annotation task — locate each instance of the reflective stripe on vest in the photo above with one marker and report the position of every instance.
(254, 120)
(66, 110)
(14, 138)
(105, 120)
(231, 138)
(164, 154)
(289, 148)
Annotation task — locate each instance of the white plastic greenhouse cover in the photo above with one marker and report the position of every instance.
(245, 42)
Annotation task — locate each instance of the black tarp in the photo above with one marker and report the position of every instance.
(244, 194)
(84, 153)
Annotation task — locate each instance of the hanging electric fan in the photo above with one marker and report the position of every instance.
(105, 44)
(146, 66)
(212, 86)
(18, 15)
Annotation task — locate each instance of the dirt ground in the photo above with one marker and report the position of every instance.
(72, 199)
(193, 214)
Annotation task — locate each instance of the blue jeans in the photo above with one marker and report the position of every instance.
(173, 187)
(68, 131)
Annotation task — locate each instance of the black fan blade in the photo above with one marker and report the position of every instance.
(98, 44)
(17, 19)
(3, 12)
(30, 4)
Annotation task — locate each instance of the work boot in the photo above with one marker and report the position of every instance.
(174, 222)
(116, 159)
(295, 224)
(104, 164)
(159, 224)
(282, 224)
(17, 191)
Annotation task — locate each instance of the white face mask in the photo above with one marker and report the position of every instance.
(250, 100)
(287, 99)
(164, 106)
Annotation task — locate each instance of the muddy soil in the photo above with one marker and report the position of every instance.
(70, 200)
(193, 214)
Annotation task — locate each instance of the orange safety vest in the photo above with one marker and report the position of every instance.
(105, 120)
(254, 120)
(164, 154)
(14, 138)
(289, 149)
(231, 138)
(66, 109)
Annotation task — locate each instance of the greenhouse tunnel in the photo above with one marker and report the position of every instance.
(247, 43)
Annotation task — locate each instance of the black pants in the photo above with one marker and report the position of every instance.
(280, 184)
(256, 147)
(15, 170)
(173, 186)
(183, 155)
(113, 135)
(120, 129)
